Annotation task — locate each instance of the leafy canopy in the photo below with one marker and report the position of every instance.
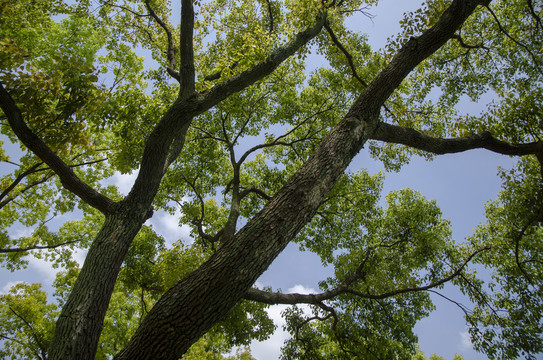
(77, 72)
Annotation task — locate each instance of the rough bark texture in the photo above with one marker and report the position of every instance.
(79, 325)
(192, 306)
(80, 322)
(416, 139)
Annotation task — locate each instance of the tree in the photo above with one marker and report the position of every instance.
(74, 96)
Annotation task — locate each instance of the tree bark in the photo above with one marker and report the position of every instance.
(191, 307)
(80, 323)
(416, 139)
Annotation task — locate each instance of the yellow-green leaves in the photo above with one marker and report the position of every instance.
(28, 322)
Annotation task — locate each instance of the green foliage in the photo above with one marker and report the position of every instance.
(503, 320)
(28, 322)
(75, 71)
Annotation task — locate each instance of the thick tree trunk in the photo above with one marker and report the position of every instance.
(80, 323)
(191, 307)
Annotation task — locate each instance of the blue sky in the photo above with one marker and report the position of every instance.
(460, 183)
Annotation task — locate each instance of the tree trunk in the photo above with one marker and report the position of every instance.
(191, 307)
(80, 323)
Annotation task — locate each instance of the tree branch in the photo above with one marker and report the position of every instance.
(18, 179)
(32, 332)
(348, 56)
(535, 58)
(518, 238)
(171, 322)
(239, 82)
(253, 189)
(458, 38)
(67, 177)
(534, 14)
(32, 170)
(277, 141)
(217, 75)
(124, 8)
(36, 247)
(187, 51)
(416, 139)
(294, 298)
(270, 13)
(170, 53)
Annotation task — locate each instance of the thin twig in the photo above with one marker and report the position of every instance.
(37, 247)
(348, 56)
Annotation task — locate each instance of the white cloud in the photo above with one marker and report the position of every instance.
(124, 182)
(5, 289)
(17, 232)
(300, 289)
(79, 255)
(271, 349)
(167, 225)
(465, 340)
(44, 270)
